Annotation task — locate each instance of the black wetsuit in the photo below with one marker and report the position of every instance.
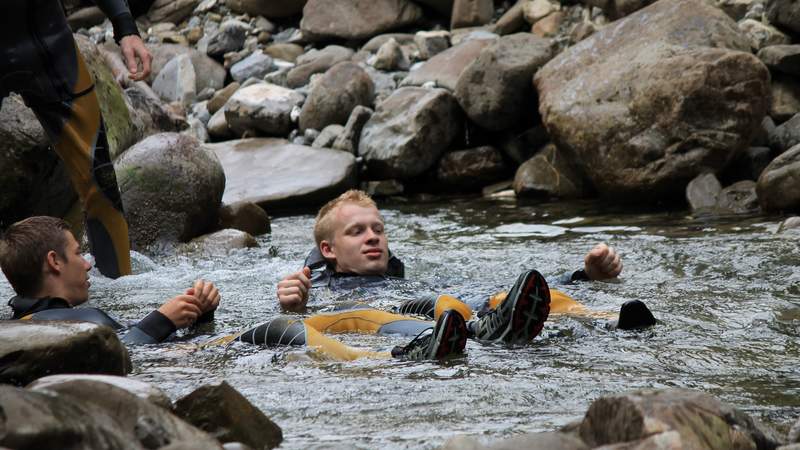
(40, 60)
(154, 328)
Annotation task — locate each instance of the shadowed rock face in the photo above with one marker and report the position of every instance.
(651, 101)
(30, 350)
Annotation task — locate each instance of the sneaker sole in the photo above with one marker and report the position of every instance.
(451, 334)
(531, 308)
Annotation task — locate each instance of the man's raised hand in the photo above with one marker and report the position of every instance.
(293, 290)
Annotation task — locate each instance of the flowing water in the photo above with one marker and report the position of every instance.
(727, 293)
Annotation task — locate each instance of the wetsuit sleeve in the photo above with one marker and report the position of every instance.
(154, 328)
(571, 277)
(120, 15)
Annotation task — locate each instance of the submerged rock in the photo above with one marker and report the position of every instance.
(265, 171)
(226, 414)
(171, 188)
(74, 383)
(33, 349)
(408, 132)
(670, 91)
(220, 242)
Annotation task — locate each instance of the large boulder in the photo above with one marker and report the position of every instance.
(144, 391)
(333, 97)
(222, 411)
(171, 10)
(785, 14)
(33, 349)
(268, 9)
(445, 68)
(316, 61)
(263, 107)
(86, 414)
(779, 184)
(356, 19)
(694, 420)
(409, 132)
(171, 188)
(549, 174)
(495, 89)
(472, 168)
(265, 171)
(33, 180)
(209, 73)
(654, 99)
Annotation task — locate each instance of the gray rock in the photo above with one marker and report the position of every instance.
(783, 58)
(703, 192)
(540, 441)
(176, 81)
(700, 421)
(219, 242)
(779, 184)
(356, 19)
(789, 447)
(209, 73)
(223, 412)
(218, 127)
(616, 9)
(327, 136)
(472, 168)
(382, 188)
(470, 13)
(269, 9)
(431, 43)
(549, 174)
(348, 139)
(149, 113)
(87, 415)
(762, 35)
(264, 107)
(792, 224)
(244, 216)
(228, 38)
(784, 14)
(285, 52)
(256, 65)
(512, 20)
(445, 68)
(390, 57)
(384, 83)
(501, 188)
(738, 198)
(408, 132)
(403, 39)
(334, 95)
(535, 10)
(265, 171)
(33, 349)
(785, 135)
(654, 135)
(736, 9)
(221, 96)
(34, 180)
(140, 389)
(785, 91)
(495, 90)
(316, 61)
(171, 188)
(173, 11)
(197, 130)
(521, 146)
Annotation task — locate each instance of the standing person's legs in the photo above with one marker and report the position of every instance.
(78, 135)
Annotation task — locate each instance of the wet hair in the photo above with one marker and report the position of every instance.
(323, 227)
(24, 247)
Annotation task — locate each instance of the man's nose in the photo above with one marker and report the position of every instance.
(372, 236)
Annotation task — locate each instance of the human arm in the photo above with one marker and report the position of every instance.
(293, 290)
(126, 34)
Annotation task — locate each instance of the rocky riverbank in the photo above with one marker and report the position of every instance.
(292, 102)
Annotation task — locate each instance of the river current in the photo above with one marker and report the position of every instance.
(726, 292)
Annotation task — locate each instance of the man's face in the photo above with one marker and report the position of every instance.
(359, 244)
(74, 276)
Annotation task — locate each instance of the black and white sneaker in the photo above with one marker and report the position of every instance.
(449, 337)
(520, 317)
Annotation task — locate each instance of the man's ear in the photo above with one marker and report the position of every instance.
(52, 263)
(326, 249)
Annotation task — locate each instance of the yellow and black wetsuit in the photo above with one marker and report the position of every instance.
(152, 329)
(40, 61)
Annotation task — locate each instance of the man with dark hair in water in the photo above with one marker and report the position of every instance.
(40, 60)
(42, 261)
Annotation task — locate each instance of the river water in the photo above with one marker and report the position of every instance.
(726, 290)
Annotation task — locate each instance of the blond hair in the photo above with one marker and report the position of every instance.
(323, 227)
